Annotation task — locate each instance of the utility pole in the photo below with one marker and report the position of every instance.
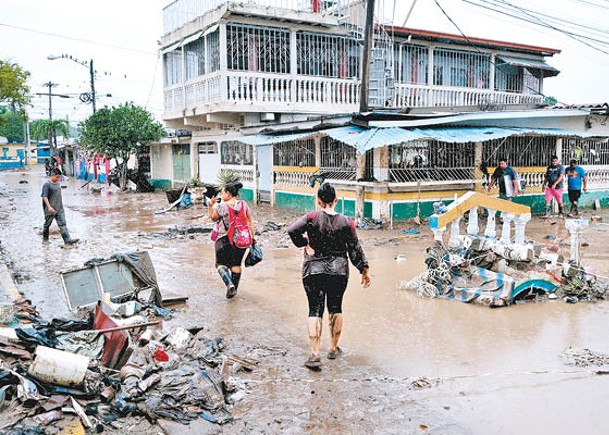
(92, 75)
(50, 85)
(360, 171)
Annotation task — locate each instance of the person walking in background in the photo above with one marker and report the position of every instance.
(52, 205)
(328, 238)
(554, 185)
(576, 181)
(506, 178)
(228, 256)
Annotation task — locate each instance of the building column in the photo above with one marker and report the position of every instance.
(478, 148)
(491, 79)
(559, 143)
(293, 67)
(223, 62)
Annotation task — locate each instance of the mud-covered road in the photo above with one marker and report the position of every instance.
(411, 365)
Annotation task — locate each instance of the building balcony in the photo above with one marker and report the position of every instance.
(251, 92)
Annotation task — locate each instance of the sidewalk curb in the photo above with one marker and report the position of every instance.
(7, 286)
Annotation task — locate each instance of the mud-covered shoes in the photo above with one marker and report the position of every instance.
(313, 363)
(231, 291)
(72, 241)
(333, 354)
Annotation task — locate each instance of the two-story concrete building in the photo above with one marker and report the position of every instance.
(267, 88)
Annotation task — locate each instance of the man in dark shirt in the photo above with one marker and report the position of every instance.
(52, 205)
(506, 177)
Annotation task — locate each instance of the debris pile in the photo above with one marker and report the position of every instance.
(487, 272)
(116, 361)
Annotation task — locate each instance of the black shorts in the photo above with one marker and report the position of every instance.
(321, 288)
(574, 195)
(227, 254)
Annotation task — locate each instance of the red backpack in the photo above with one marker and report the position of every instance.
(239, 233)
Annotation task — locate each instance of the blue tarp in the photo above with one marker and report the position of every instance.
(366, 139)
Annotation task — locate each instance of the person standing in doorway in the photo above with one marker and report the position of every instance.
(554, 185)
(328, 239)
(228, 256)
(506, 178)
(52, 205)
(576, 181)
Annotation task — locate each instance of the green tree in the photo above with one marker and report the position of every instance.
(13, 85)
(49, 129)
(11, 125)
(119, 132)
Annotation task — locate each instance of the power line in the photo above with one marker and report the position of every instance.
(536, 21)
(87, 41)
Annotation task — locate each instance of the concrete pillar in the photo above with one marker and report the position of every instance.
(519, 228)
(575, 227)
(506, 231)
(472, 224)
(223, 62)
(317, 140)
(491, 230)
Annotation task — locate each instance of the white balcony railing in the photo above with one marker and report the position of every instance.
(180, 12)
(319, 94)
(407, 95)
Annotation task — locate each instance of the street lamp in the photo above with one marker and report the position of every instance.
(84, 97)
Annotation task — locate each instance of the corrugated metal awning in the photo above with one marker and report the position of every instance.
(366, 139)
(170, 48)
(192, 38)
(549, 71)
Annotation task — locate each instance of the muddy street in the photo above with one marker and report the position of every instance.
(411, 365)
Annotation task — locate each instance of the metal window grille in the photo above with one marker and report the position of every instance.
(461, 68)
(327, 55)
(519, 150)
(194, 54)
(532, 83)
(411, 64)
(585, 151)
(431, 161)
(236, 153)
(508, 78)
(173, 67)
(294, 153)
(212, 43)
(253, 48)
(207, 147)
(338, 160)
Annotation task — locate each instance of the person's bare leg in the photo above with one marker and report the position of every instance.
(336, 327)
(314, 326)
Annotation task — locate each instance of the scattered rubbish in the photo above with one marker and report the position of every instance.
(596, 218)
(584, 357)
(370, 224)
(597, 204)
(119, 275)
(413, 231)
(160, 355)
(549, 237)
(23, 182)
(420, 383)
(439, 207)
